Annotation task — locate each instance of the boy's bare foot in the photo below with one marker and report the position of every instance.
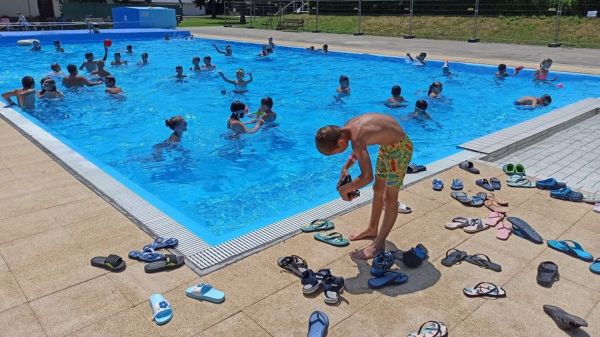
(367, 253)
(367, 233)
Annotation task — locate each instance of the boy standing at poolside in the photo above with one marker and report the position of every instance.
(395, 153)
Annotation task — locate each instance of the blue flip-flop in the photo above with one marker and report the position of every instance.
(161, 309)
(205, 292)
(318, 322)
(595, 267)
(149, 256)
(549, 184)
(387, 279)
(576, 250)
(437, 184)
(523, 230)
(382, 262)
(161, 243)
(457, 185)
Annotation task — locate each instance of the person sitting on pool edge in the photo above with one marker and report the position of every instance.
(238, 110)
(76, 81)
(228, 51)
(100, 71)
(118, 61)
(344, 88)
(435, 90)
(396, 100)
(58, 47)
(144, 60)
(265, 112)
(49, 90)
(111, 86)
(208, 66)
(90, 63)
(239, 83)
(178, 125)
(25, 96)
(419, 59)
(395, 153)
(534, 101)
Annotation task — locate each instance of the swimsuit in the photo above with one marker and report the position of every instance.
(393, 160)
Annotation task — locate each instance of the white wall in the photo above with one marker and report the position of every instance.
(11, 7)
(191, 9)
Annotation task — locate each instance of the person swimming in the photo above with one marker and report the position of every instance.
(56, 73)
(265, 112)
(240, 84)
(167, 37)
(344, 88)
(420, 110)
(179, 75)
(129, 49)
(49, 89)
(435, 90)
(501, 73)
(90, 64)
(76, 81)
(534, 101)
(58, 47)
(118, 61)
(144, 60)
(111, 86)
(25, 95)
(179, 125)
(36, 46)
(446, 69)
(100, 71)
(396, 100)
(208, 66)
(420, 60)
(227, 52)
(238, 110)
(264, 52)
(196, 64)
(270, 46)
(541, 74)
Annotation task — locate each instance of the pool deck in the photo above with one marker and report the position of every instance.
(52, 224)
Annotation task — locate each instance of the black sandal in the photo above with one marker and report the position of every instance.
(547, 274)
(169, 263)
(484, 263)
(112, 262)
(332, 287)
(453, 256)
(293, 263)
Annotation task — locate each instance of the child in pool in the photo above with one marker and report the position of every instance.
(49, 90)
(395, 153)
(435, 90)
(56, 72)
(58, 47)
(179, 73)
(446, 69)
(25, 96)
(178, 125)
(118, 61)
(144, 60)
(196, 64)
(239, 83)
(76, 81)
(36, 46)
(396, 100)
(208, 66)
(534, 101)
(421, 110)
(344, 88)
(270, 46)
(265, 112)
(420, 60)
(542, 73)
(264, 52)
(90, 63)
(100, 71)
(227, 52)
(111, 86)
(501, 73)
(238, 110)
(129, 49)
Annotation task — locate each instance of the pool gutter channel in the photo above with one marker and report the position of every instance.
(203, 258)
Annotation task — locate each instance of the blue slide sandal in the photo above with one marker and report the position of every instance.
(205, 292)
(161, 309)
(595, 267)
(388, 279)
(576, 250)
(318, 322)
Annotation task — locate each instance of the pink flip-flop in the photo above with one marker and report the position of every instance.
(503, 231)
(494, 218)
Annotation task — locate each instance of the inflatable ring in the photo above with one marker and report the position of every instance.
(28, 42)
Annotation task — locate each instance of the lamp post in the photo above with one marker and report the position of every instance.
(410, 34)
(317, 19)
(359, 32)
(475, 23)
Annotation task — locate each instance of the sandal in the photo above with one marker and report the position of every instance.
(318, 225)
(170, 262)
(404, 209)
(332, 288)
(293, 263)
(563, 319)
(483, 262)
(485, 289)
(437, 185)
(495, 182)
(493, 206)
(469, 167)
(547, 274)
(504, 231)
(387, 279)
(494, 218)
(476, 225)
(458, 222)
(453, 256)
(457, 185)
(310, 282)
(478, 199)
(431, 329)
(112, 262)
(485, 184)
(161, 309)
(150, 256)
(334, 239)
(500, 202)
(161, 243)
(382, 262)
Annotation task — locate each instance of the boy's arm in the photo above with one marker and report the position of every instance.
(217, 49)
(251, 78)
(226, 79)
(7, 96)
(366, 171)
(347, 166)
(105, 54)
(410, 57)
(256, 127)
(82, 66)
(91, 83)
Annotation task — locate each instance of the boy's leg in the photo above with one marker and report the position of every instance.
(376, 208)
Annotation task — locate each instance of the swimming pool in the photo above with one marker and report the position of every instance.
(220, 188)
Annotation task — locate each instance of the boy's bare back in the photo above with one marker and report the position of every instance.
(374, 128)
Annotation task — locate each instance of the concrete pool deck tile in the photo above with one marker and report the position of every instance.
(353, 327)
(126, 323)
(594, 316)
(19, 155)
(590, 222)
(80, 210)
(40, 170)
(564, 211)
(10, 292)
(3, 266)
(20, 322)
(27, 224)
(80, 305)
(11, 207)
(235, 326)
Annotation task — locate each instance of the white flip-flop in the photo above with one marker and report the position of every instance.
(404, 209)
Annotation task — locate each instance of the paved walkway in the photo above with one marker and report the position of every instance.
(567, 59)
(571, 155)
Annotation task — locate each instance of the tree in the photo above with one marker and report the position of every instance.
(210, 6)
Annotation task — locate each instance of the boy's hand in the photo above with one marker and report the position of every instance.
(342, 176)
(344, 195)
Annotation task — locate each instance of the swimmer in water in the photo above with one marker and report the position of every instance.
(179, 73)
(446, 69)
(58, 47)
(167, 37)
(270, 46)
(264, 52)
(534, 101)
(25, 96)
(344, 88)
(396, 100)
(129, 49)
(238, 110)
(542, 73)
(420, 60)
(111, 86)
(49, 90)
(435, 90)
(178, 125)
(90, 63)
(420, 110)
(196, 64)
(101, 72)
(240, 84)
(36, 46)
(76, 81)
(118, 61)
(144, 60)
(501, 73)
(265, 112)
(208, 66)
(228, 51)
(56, 73)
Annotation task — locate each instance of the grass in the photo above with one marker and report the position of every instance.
(574, 31)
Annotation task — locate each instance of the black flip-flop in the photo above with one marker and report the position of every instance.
(170, 262)
(453, 256)
(547, 274)
(413, 168)
(469, 167)
(485, 184)
(483, 261)
(563, 319)
(524, 230)
(293, 263)
(112, 262)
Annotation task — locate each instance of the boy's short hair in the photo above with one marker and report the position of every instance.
(54, 66)
(424, 54)
(129, 46)
(237, 106)
(502, 67)
(421, 104)
(71, 68)
(56, 42)
(88, 55)
(196, 58)
(344, 78)
(547, 99)
(396, 90)
(207, 58)
(327, 138)
(28, 82)
(117, 54)
(179, 67)
(144, 54)
(110, 79)
(268, 101)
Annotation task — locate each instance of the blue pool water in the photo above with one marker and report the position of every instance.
(221, 188)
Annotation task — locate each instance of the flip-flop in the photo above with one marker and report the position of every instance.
(205, 292)
(431, 329)
(523, 230)
(493, 206)
(413, 168)
(567, 194)
(310, 282)
(404, 209)
(509, 169)
(469, 167)
(458, 222)
(478, 199)
(483, 261)
(112, 262)
(161, 243)
(461, 197)
(161, 309)
(496, 183)
(318, 323)
(437, 184)
(334, 239)
(503, 231)
(494, 218)
(547, 274)
(171, 262)
(521, 182)
(563, 319)
(453, 256)
(318, 225)
(293, 263)
(493, 197)
(549, 184)
(332, 287)
(457, 185)
(485, 289)
(476, 225)
(387, 279)
(146, 256)
(485, 184)
(595, 267)
(382, 262)
(576, 250)
(591, 198)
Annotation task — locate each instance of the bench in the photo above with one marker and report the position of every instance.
(291, 24)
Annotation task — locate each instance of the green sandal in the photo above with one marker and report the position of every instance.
(334, 239)
(318, 225)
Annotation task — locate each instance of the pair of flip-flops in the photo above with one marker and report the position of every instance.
(493, 184)
(514, 169)
(205, 292)
(431, 329)
(567, 194)
(521, 181)
(383, 277)
(318, 225)
(456, 256)
(469, 225)
(477, 200)
(148, 254)
(549, 184)
(495, 205)
(332, 285)
(503, 230)
(485, 289)
(469, 167)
